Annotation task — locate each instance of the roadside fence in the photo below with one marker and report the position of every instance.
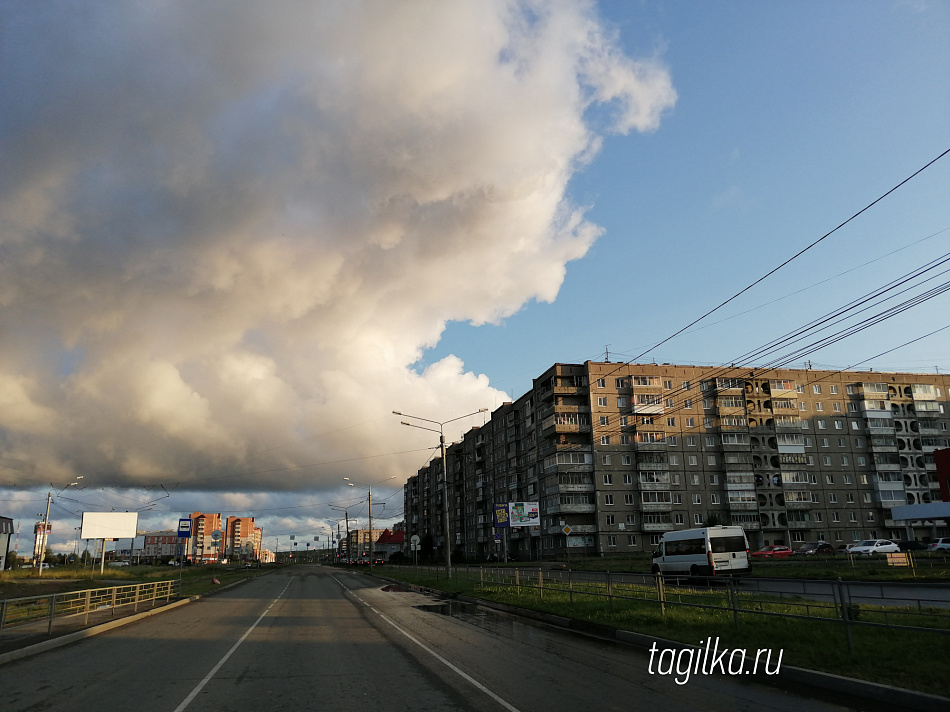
(19, 611)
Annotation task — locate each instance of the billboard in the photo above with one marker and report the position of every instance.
(525, 514)
(518, 514)
(109, 525)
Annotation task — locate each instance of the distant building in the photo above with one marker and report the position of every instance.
(6, 533)
(161, 544)
(358, 544)
(388, 543)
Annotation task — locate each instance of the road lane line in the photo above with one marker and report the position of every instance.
(429, 650)
(194, 693)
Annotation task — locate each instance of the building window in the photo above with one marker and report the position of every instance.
(798, 537)
(690, 441)
(835, 517)
(697, 499)
(624, 439)
(837, 407)
(605, 440)
(623, 421)
(829, 479)
(690, 423)
(611, 540)
(692, 460)
(870, 516)
(852, 517)
(821, 424)
(602, 402)
(714, 499)
(839, 425)
(862, 461)
(608, 478)
(674, 459)
(671, 422)
(678, 519)
(688, 403)
(605, 420)
(601, 383)
(628, 499)
(816, 389)
(832, 498)
(710, 459)
(802, 405)
(606, 460)
(608, 500)
(631, 539)
(824, 442)
(622, 401)
(697, 519)
(685, 385)
(826, 461)
(668, 385)
(850, 498)
(714, 479)
(626, 460)
(677, 499)
(631, 519)
(695, 480)
(609, 520)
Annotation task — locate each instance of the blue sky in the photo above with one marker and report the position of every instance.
(225, 264)
(790, 118)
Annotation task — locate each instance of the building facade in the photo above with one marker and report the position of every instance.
(617, 453)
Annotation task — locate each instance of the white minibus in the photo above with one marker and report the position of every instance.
(709, 551)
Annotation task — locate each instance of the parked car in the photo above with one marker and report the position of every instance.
(942, 544)
(912, 546)
(774, 551)
(118, 563)
(875, 546)
(846, 548)
(815, 548)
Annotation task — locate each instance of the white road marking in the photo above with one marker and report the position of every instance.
(431, 652)
(194, 693)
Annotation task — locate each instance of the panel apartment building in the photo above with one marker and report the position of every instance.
(619, 453)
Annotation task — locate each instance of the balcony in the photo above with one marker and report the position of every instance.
(657, 506)
(798, 505)
(657, 526)
(572, 509)
(800, 525)
(654, 486)
(743, 506)
(644, 409)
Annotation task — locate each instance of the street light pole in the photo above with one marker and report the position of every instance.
(446, 529)
(369, 489)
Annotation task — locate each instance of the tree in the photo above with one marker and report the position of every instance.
(713, 520)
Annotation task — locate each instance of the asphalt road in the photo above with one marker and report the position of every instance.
(313, 638)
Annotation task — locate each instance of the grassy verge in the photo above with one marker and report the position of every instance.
(196, 580)
(889, 656)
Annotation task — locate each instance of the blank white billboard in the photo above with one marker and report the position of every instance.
(109, 525)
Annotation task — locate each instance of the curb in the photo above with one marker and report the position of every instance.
(62, 640)
(788, 676)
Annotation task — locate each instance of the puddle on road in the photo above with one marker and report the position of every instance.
(452, 608)
(393, 588)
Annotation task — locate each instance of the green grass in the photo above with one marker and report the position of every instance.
(888, 656)
(196, 580)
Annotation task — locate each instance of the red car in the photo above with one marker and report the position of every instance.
(775, 551)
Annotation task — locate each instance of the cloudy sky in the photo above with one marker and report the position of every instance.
(235, 236)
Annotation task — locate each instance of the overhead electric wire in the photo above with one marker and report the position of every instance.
(795, 256)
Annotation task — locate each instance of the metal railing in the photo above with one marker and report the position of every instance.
(721, 595)
(20, 611)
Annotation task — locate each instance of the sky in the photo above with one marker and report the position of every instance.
(235, 237)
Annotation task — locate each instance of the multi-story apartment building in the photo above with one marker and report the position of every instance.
(241, 537)
(202, 546)
(619, 453)
(162, 543)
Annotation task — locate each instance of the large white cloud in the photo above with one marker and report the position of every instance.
(228, 230)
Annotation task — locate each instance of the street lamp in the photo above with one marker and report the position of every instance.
(445, 475)
(49, 500)
(369, 489)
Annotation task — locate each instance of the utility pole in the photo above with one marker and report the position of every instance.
(49, 499)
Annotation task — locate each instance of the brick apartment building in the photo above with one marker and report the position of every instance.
(621, 453)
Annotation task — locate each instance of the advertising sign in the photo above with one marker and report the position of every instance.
(109, 525)
(525, 514)
(501, 515)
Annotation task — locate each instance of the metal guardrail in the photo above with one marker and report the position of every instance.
(20, 611)
(715, 594)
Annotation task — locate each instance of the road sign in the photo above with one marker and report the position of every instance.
(567, 529)
(215, 535)
(414, 542)
(184, 528)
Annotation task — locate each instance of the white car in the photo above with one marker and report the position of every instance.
(875, 546)
(942, 544)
